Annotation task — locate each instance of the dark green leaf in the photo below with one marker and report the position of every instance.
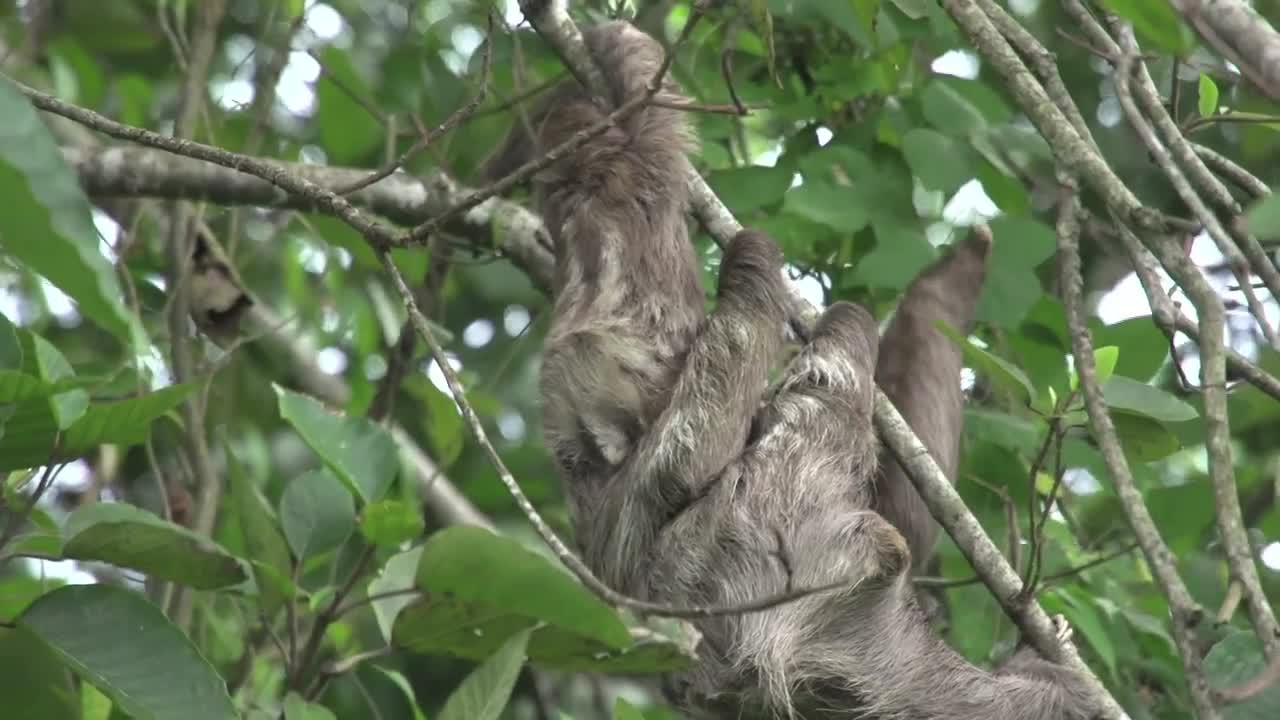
(390, 522)
(131, 537)
(347, 131)
(1263, 217)
(296, 708)
(750, 188)
(264, 542)
(30, 434)
(47, 223)
(1143, 438)
(485, 692)
(900, 253)
(1236, 659)
(958, 107)
(34, 679)
(1122, 393)
(826, 204)
(317, 513)
(475, 565)
(360, 451)
(997, 369)
(1154, 22)
(10, 348)
(123, 645)
(940, 162)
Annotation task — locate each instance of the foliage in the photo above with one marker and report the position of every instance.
(323, 587)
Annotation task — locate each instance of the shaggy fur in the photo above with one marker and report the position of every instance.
(685, 489)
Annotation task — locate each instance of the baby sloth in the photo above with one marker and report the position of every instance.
(685, 490)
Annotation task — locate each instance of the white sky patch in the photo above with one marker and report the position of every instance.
(960, 63)
(512, 426)
(1271, 556)
(478, 333)
(515, 318)
(331, 360)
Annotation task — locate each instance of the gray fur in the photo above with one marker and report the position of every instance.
(684, 490)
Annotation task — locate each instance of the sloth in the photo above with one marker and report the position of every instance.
(692, 480)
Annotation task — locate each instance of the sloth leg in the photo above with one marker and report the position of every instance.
(919, 371)
(705, 424)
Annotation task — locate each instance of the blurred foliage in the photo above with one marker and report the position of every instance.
(874, 130)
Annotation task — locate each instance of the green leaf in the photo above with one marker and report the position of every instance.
(623, 710)
(30, 434)
(1263, 217)
(124, 646)
(391, 522)
(940, 162)
(10, 347)
(47, 223)
(1143, 438)
(1122, 393)
(480, 588)
(485, 692)
(847, 16)
(133, 538)
(959, 107)
(997, 369)
(316, 513)
(476, 565)
(899, 255)
(744, 189)
(34, 679)
(296, 708)
(348, 133)
(826, 204)
(264, 542)
(360, 451)
(1104, 362)
(1208, 102)
(1235, 659)
(1155, 22)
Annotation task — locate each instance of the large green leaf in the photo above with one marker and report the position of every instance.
(1122, 393)
(997, 369)
(486, 691)
(744, 189)
(297, 708)
(47, 223)
(1235, 659)
(347, 131)
(133, 538)
(360, 451)
(32, 430)
(391, 522)
(940, 162)
(1263, 217)
(474, 564)
(827, 204)
(34, 679)
(316, 513)
(264, 542)
(481, 588)
(123, 645)
(1154, 22)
